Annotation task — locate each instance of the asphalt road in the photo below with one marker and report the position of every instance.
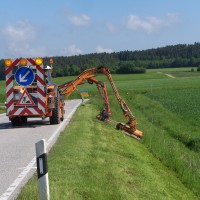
(17, 149)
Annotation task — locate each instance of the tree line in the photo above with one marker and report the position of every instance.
(125, 62)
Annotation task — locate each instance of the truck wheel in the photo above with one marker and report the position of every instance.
(16, 121)
(62, 113)
(24, 120)
(55, 118)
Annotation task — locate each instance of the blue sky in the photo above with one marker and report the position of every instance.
(71, 27)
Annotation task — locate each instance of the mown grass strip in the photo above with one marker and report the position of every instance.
(92, 160)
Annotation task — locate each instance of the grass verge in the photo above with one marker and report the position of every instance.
(92, 160)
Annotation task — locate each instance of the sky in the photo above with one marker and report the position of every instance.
(40, 28)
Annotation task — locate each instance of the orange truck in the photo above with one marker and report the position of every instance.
(30, 92)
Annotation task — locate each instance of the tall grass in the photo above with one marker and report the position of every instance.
(2, 92)
(168, 138)
(182, 102)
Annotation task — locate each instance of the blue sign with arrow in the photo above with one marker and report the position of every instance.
(24, 76)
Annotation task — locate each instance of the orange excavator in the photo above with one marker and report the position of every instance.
(88, 75)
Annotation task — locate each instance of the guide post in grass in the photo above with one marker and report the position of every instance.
(42, 170)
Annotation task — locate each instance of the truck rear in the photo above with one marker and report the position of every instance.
(30, 92)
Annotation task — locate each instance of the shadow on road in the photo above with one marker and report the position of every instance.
(29, 124)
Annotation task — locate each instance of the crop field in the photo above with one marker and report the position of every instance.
(168, 112)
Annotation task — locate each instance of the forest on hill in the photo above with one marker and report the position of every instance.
(126, 62)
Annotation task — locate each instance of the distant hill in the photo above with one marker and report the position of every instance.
(172, 56)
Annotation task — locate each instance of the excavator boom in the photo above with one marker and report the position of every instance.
(130, 126)
(67, 88)
(106, 111)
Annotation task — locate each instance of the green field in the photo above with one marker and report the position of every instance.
(99, 162)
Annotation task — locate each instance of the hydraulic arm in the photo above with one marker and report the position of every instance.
(67, 88)
(106, 111)
(130, 126)
(89, 74)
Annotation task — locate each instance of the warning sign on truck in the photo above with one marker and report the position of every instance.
(25, 100)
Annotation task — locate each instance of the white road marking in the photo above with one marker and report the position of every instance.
(24, 173)
(25, 167)
(18, 180)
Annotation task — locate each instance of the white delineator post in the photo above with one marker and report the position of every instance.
(42, 170)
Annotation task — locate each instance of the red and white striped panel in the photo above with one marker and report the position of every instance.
(9, 89)
(11, 110)
(26, 111)
(9, 86)
(40, 87)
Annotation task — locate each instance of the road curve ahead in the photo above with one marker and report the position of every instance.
(17, 149)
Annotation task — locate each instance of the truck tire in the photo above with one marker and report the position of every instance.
(62, 113)
(24, 120)
(16, 121)
(55, 118)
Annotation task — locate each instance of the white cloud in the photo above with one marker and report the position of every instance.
(172, 18)
(19, 39)
(26, 50)
(23, 31)
(82, 20)
(151, 23)
(72, 50)
(100, 49)
(111, 27)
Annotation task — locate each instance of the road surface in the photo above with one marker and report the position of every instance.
(17, 149)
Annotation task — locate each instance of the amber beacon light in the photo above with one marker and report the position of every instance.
(8, 62)
(23, 62)
(38, 61)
